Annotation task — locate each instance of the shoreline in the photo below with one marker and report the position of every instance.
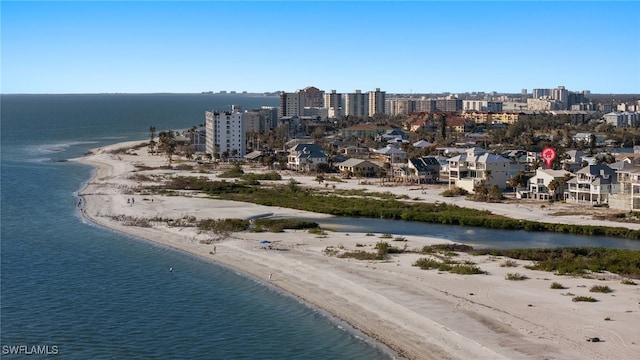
(416, 313)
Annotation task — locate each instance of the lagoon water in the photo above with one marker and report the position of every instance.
(91, 293)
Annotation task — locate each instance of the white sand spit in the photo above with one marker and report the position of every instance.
(418, 313)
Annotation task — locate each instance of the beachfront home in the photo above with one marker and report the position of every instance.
(305, 157)
(628, 196)
(548, 184)
(424, 169)
(358, 167)
(476, 166)
(592, 185)
(392, 155)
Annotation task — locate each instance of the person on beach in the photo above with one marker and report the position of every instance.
(270, 276)
(214, 249)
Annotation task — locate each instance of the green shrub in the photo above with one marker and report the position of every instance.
(360, 255)
(583, 299)
(465, 269)
(516, 277)
(331, 251)
(317, 231)
(556, 285)
(628, 282)
(600, 289)
(426, 263)
(509, 263)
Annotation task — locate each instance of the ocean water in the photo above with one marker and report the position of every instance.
(74, 290)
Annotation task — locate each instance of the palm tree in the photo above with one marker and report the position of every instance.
(167, 144)
(216, 151)
(152, 142)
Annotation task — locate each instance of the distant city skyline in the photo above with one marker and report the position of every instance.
(399, 47)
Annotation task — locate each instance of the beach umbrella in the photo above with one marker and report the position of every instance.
(264, 243)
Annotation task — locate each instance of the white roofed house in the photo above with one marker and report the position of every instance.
(358, 167)
(392, 155)
(476, 166)
(305, 157)
(593, 184)
(548, 184)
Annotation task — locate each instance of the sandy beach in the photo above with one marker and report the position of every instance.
(419, 314)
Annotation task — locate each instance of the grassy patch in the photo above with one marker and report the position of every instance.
(317, 231)
(509, 263)
(583, 299)
(556, 285)
(466, 268)
(515, 277)
(600, 289)
(628, 282)
(575, 260)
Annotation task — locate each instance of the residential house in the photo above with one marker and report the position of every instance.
(354, 151)
(628, 196)
(419, 121)
(391, 155)
(199, 139)
(254, 156)
(425, 169)
(476, 166)
(358, 167)
(506, 117)
(478, 117)
(395, 135)
(457, 124)
(574, 159)
(538, 185)
(593, 184)
(363, 130)
(421, 144)
(305, 157)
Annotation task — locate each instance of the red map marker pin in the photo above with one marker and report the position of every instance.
(548, 155)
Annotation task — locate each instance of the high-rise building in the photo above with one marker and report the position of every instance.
(561, 95)
(541, 93)
(291, 104)
(333, 102)
(425, 105)
(449, 104)
(356, 104)
(399, 106)
(481, 105)
(225, 134)
(313, 97)
(376, 102)
(270, 116)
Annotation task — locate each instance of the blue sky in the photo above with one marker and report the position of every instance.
(400, 47)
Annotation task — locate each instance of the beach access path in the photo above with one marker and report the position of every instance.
(419, 314)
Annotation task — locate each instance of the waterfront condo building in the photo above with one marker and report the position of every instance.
(225, 133)
(333, 103)
(356, 104)
(291, 104)
(313, 97)
(376, 102)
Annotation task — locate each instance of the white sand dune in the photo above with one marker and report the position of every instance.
(419, 314)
